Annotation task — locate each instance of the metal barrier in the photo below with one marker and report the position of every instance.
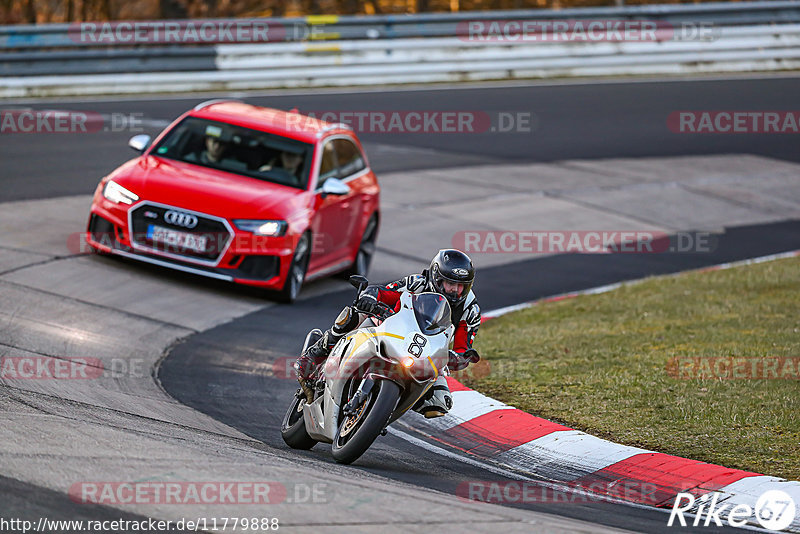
(314, 51)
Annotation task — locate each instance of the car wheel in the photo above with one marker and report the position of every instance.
(366, 250)
(297, 270)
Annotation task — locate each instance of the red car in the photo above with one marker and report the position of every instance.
(242, 193)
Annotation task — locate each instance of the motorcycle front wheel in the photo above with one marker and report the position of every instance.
(293, 428)
(358, 431)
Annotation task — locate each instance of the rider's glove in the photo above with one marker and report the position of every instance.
(367, 303)
(459, 361)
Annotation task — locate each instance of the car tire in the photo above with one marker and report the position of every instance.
(297, 270)
(366, 250)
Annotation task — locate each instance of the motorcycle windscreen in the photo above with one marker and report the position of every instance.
(432, 312)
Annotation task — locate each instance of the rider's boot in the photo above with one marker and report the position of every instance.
(308, 361)
(437, 401)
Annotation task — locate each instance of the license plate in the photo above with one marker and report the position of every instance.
(174, 238)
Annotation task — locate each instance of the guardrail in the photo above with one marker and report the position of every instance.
(316, 51)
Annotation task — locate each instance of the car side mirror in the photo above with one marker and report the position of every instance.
(139, 142)
(359, 282)
(334, 186)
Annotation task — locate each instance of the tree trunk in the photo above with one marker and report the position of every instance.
(30, 11)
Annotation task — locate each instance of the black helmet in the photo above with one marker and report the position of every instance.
(453, 268)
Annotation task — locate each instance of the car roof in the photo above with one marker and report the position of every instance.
(289, 124)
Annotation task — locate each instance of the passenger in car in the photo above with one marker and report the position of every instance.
(289, 162)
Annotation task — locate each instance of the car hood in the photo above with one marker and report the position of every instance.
(207, 190)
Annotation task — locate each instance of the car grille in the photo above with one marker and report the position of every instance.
(212, 230)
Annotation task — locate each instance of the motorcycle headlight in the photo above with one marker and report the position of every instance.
(259, 227)
(116, 193)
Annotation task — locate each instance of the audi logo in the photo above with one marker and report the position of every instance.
(179, 218)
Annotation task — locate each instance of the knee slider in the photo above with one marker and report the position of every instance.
(345, 322)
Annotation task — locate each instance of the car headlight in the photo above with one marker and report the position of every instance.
(116, 193)
(259, 227)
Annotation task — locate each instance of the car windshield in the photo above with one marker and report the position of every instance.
(432, 312)
(239, 150)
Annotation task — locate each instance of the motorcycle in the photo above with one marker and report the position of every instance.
(373, 375)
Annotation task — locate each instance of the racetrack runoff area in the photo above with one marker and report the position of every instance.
(123, 426)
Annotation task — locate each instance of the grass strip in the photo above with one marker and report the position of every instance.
(666, 364)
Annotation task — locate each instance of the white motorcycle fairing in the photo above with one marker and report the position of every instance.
(398, 349)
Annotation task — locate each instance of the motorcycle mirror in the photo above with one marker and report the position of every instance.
(359, 282)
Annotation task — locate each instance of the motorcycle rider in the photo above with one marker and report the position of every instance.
(450, 274)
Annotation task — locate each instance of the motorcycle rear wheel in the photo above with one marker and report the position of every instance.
(353, 438)
(293, 428)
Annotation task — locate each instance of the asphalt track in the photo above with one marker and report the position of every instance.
(573, 121)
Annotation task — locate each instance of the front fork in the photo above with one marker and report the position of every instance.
(360, 395)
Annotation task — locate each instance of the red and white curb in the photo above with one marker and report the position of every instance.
(505, 436)
(491, 430)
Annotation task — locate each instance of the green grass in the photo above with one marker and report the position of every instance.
(598, 363)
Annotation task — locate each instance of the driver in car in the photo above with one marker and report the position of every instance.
(215, 151)
(450, 274)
